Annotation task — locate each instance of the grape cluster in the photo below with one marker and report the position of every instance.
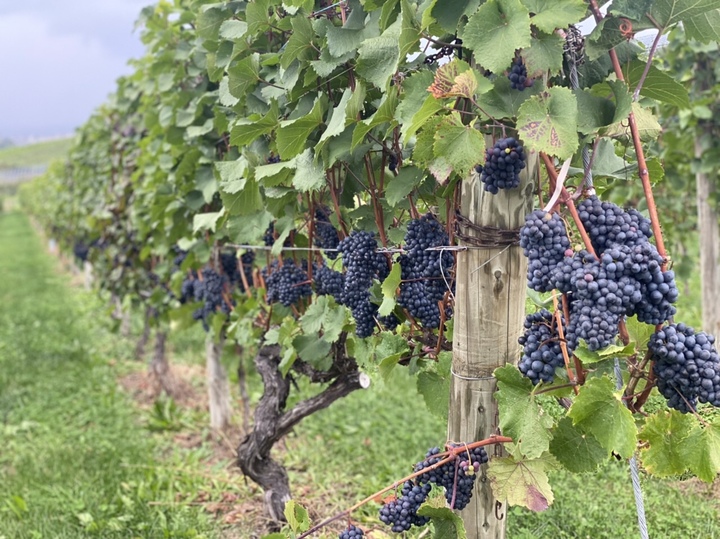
(81, 250)
(362, 263)
(545, 243)
(329, 282)
(351, 532)
(503, 163)
(209, 291)
(269, 236)
(401, 513)
(687, 366)
(187, 290)
(326, 236)
(424, 273)
(608, 224)
(231, 268)
(457, 476)
(541, 347)
(287, 283)
(518, 75)
(180, 256)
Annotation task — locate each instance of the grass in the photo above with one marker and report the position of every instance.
(80, 459)
(40, 153)
(76, 461)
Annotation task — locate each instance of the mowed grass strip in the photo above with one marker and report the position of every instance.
(74, 459)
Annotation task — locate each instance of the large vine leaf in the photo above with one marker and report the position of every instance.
(293, 135)
(658, 84)
(599, 411)
(378, 57)
(447, 523)
(300, 44)
(551, 14)
(522, 482)
(576, 450)
(309, 175)
(548, 122)
(704, 453)
(496, 30)
(434, 385)
(521, 416)
(667, 435)
(462, 146)
(544, 54)
(244, 75)
(244, 131)
(705, 27)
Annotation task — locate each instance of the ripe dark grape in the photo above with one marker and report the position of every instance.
(286, 284)
(180, 257)
(362, 263)
(393, 162)
(81, 250)
(425, 274)
(229, 264)
(687, 366)
(328, 282)
(326, 235)
(503, 163)
(187, 289)
(209, 290)
(401, 514)
(541, 347)
(269, 237)
(518, 75)
(273, 159)
(351, 532)
(608, 224)
(545, 243)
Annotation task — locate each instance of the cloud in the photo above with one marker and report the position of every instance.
(64, 62)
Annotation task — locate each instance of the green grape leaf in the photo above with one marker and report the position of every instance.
(521, 416)
(389, 289)
(495, 31)
(244, 75)
(576, 450)
(667, 435)
(309, 175)
(447, 13)
(399, 187)
(504, 102)
(447, 523)
(314, 350)
(545, 54)
(704, 454)
(338, 119)
(246, 201)
(551, 14)
(599, 411)
(293, 135)
(428, 110)
(435, 390)
(244, 131)
(378, 57)
(665, 13)
(462, 146)
(648, 126)
(658, 85)
(206, 221)
(413, 96)
(326, 316)
(639, 332)
(548, 122)
(296, 516)
(705, 27)
(522, 482)
(300, 44)
(233, 29)
(605, 36)
(209, 22)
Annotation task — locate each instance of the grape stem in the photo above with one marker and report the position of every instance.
(446, 456)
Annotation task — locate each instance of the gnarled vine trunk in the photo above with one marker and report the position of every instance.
(145, 337)
(218, 384)
(272, 422)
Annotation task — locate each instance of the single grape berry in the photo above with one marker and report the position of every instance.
(518, 75)
(503, 163)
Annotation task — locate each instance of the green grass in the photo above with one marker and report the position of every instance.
(75, 460)
(40, 153)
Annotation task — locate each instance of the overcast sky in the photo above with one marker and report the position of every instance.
(59, 60)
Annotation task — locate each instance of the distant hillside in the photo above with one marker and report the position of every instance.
(34, 155)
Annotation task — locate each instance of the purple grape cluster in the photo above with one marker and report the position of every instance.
(424, 273)
(362, 264)
(81, 250)
(687, 366)
(401, 513)
(518, 75)
(503, 163)
(545, 243)
(231, 267)
(286, 284)
(326, 235)
(328, 282)
(608, 224)
(351, 532)
(541, 347)
(209, 291)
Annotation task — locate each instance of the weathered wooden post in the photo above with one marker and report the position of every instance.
(489, 314)
(218, 384)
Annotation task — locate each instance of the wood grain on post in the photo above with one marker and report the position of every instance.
(489, 314)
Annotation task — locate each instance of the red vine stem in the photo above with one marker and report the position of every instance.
(642, 164)
(448, 455)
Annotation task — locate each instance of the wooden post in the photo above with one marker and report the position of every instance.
(489, 314)
(218, 384)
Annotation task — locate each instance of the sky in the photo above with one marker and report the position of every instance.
(59, 60)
